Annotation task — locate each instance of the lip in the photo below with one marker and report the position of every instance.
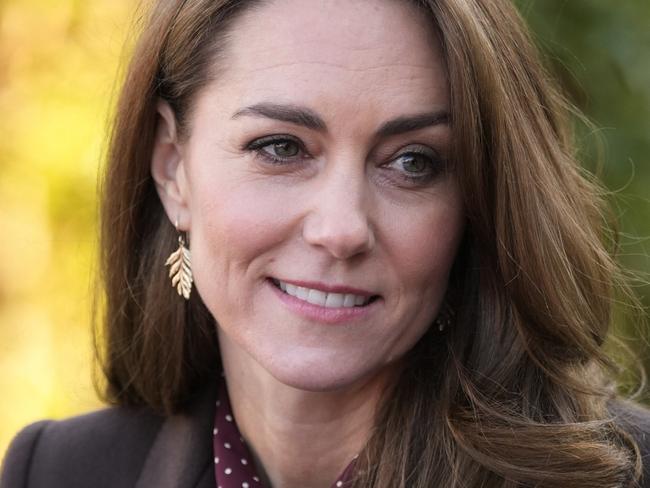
(331, 316)
(329, 288)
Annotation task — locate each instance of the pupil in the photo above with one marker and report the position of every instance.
(286, 149)
(414, 164)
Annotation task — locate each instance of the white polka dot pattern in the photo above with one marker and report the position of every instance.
(232, 468)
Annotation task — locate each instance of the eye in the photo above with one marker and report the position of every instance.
(282, 149)
(418, 164)
(277, 148)
(414, 163)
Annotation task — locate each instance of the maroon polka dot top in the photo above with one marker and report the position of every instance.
(233, 463)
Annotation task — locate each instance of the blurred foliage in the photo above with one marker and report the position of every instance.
(601, 55)
(60, 60)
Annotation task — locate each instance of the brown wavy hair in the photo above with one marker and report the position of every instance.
(516, 393)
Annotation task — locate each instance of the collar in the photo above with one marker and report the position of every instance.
(233, 462)
(180, 456)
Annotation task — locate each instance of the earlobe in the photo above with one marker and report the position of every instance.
(167, 167)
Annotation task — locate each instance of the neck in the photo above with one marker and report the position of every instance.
(300, 438)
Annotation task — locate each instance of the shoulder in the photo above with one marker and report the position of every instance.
(635, 420)
(103, 448)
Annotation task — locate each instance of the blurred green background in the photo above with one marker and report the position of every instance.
(59, 61)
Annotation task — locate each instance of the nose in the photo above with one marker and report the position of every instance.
(338, 218)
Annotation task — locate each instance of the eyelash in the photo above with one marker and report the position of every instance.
(436, 163)
(258, 146)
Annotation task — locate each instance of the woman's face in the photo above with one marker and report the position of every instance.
(323, 223)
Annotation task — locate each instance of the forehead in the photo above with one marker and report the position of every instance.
(335, 50)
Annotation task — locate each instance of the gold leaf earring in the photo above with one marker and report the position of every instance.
(181, 267)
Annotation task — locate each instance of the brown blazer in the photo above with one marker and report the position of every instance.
(116, 447)
(121, 447)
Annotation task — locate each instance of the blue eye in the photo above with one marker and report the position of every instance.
(418, 165)
(277, 149)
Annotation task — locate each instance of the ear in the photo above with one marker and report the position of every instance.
(168, 169)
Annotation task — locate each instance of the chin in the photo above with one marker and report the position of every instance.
(323, 374)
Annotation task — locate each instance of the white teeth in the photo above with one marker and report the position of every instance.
(349, 301)
(317, 297)
(334, 300)
(321, 298)
(302, 293)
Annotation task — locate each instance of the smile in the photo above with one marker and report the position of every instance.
(322, 298)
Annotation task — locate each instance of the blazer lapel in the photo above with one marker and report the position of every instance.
(181, 455)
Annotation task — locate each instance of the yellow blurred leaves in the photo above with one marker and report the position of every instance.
(59, 62)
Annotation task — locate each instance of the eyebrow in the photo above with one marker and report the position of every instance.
(306, 117)
(285, 113)
(411, 123)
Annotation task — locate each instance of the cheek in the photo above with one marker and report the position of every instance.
(239, 217)
(424, 246)
(423, 250)
(234, 225)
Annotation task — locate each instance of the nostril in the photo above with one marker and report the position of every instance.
(342, 228)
